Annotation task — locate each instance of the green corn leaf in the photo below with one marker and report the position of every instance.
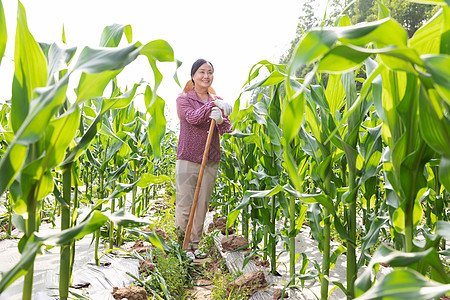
(98, 60)
(371, 238)
(122, 189)
(61, 132)
(3, 32)
(427, 39)
(383, 12)
(112, 35)
(32, 128)
(314, 216)
(36, 241)
(322, 199)
(121, 218)
(150, 237)
(444, 172)
(294, 108)
(30, 70)
(58, 59)
(433, 124)
(439, 68)
(335, 93)
(120, 101)
(93, 222)
(334, 256)
(158, 50)
(405, 284)
(342, 58)
(385, 32)
(10, 164)
(84, 142)
(273, 78)
(24, 264)
(157, 123)
(396, 258)
(443, 229)
(92, 85)
(147, 179)
(313, 46)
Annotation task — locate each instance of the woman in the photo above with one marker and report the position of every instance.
(196, 107)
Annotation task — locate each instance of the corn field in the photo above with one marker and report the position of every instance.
(358, 150)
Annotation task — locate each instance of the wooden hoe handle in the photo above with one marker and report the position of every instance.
(187, 235)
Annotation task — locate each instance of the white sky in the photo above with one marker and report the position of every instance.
(233, 35)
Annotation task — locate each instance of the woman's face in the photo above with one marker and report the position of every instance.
(204, 76)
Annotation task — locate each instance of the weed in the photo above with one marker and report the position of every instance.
(172, 272)
(223, 287)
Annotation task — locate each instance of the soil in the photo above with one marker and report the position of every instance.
(217, 223)
(146, 266)
(252, 282)
(139, 246)
(262, 263)
(234, 242)
(277, 294)
(130, 293)
(226, 231)
(159, 232)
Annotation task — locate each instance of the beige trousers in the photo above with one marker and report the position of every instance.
(186, 176)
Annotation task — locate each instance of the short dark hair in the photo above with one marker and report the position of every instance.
(197, 65)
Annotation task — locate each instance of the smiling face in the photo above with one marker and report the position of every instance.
(204, 76)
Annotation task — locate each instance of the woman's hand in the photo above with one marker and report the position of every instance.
(227, 109)
(216, 114)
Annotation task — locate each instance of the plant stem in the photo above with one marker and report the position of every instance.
(325, 257)
(326, 244)
(272, 238)
(119, 228)
(111, 224)
(30, 228)
(351, 252)
(64, 266)
(97, 233)
(291, 236)
(133, 208)
(10, 205)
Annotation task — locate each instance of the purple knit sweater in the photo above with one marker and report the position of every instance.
(194, 126)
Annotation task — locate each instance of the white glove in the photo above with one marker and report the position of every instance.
(227, 109)
(216, 114)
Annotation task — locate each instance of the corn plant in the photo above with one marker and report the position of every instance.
(44, 123)
(396, 83)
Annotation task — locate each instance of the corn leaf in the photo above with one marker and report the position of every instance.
(147, 179)
(405, 284)
(58, 59)
(112, 35)
(3, 32)
(30, 70)
(36, 241)
(427, 39)
(157, 123)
